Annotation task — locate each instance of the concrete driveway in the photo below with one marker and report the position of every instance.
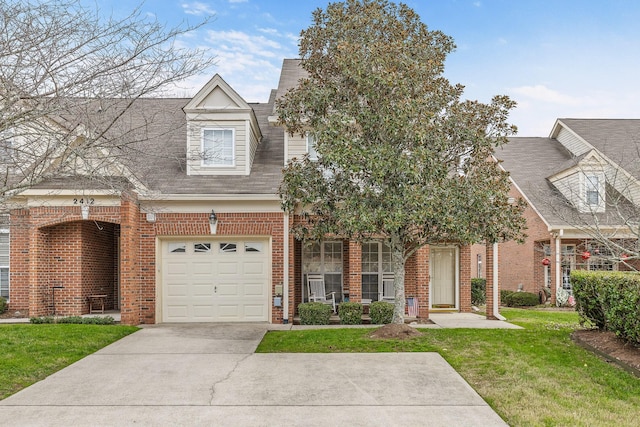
(209, 375)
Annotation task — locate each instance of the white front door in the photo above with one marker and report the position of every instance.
(207, 280)
(443, 277)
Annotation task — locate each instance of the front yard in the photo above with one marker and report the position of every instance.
(30, 353)
(535, 376)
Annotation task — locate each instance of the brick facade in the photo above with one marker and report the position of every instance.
(58, 258)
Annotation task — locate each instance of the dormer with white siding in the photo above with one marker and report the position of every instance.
(569, 139)
(222, 131)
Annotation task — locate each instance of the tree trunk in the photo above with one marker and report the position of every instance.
(397, 255)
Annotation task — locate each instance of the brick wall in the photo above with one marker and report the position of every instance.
(520, 265)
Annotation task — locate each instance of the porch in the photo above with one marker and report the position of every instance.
(437, 278)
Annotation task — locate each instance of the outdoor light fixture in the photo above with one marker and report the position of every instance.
(213, 222)
(85, 211)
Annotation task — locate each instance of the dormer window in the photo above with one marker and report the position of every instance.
(218, 147)
(311, 147)
(593, 192)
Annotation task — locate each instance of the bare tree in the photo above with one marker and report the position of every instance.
(605, 206)
(70, 78)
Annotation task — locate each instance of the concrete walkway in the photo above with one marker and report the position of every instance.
(203, 374)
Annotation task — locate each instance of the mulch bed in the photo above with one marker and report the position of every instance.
(611, 348)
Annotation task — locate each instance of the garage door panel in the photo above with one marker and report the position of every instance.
(177, 290)
(202, 290)
(254, 290)
(203, 311)
(228, 289)
(226, 268)
(177, 312)
(228, 311)
(201, 268)
(254, 312)
(176, 268)
(215, 285)
(253, 268)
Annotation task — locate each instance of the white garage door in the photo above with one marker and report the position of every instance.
(206, 280)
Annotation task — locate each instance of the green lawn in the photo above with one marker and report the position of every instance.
(30, 353)
(535, 376)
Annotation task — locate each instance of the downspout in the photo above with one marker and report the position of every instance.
(285, 279)
(496, 294)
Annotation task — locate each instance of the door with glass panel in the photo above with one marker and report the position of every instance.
(323, 258)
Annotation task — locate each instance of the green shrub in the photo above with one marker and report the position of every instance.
(78, 320)
(41, 320)
(478, 291)
(609, 300)
(350, 313)
(381, 312)
(504, 296)
(314, 313)
(3, 305)
(522, 299)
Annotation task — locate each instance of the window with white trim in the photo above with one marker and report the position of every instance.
(376, 260)
(593, 196)
(325, 258)
(4, 264)
(218, 147)
(311, 147)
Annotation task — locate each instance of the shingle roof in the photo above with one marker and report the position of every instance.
(290, 75)
(531, 161)
(618, 139)
(158, 157)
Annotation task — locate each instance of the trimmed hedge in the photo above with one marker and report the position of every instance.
(350, 313)
(609, 301)
(381, 312)
(314, 313)
(77, 320)
(522, 299)
(478, 291)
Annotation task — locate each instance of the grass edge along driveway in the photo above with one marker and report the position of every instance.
(30, 353)
(534, 376)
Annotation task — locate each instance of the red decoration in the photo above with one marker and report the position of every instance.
(624, 256)
(586, 255)
(546, 261)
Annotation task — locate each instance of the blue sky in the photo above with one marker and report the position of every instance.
(556, 58)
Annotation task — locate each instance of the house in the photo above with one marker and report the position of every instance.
(185, 225)
(581, 181)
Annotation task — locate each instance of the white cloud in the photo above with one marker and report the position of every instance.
(197, 8)
(544, 94)
(238, 1)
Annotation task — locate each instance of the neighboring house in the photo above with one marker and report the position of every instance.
(188, 227)
(584, 178)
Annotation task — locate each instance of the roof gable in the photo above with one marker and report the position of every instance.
(216, 95)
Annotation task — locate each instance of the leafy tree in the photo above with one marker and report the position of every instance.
(68, 76)
(400, 155)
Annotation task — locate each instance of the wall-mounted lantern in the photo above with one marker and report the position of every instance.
(213, 222)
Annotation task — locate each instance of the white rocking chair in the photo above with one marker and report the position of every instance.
(388, 293)
(318, 292)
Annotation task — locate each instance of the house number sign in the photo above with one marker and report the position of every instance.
(83, 200)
